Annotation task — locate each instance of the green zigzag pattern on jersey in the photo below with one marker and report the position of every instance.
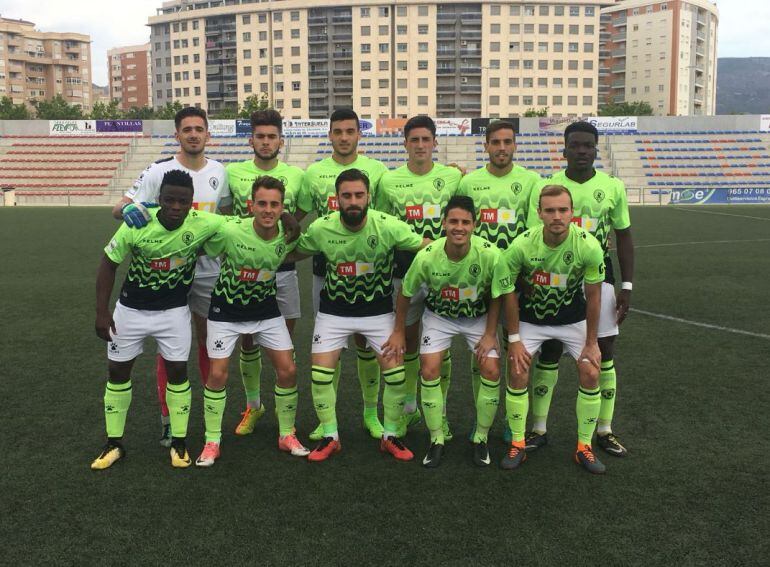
(232, 289)
(602, 233)
(500, 235)
(360, 288)
(547, 301)
(140, 273)
(454, 309)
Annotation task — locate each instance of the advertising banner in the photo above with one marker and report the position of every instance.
(367, 127)
(390, 125)
(555, 124)
(453, 126)
(479, 125)
(71, 127)
(119, 126)
(305, 127)
(243, 127)
(222, 127)
(764, 123)
(731, 196)
(608, 124)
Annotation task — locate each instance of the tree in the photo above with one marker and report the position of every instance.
(225, 113)
(638, 108)
(168, 111)
(56, 109)
(10, 111)
(531, 112)
(143, 113)
(253, 104)
(109, 111)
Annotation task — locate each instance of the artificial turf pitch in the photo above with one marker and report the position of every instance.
(693, 409)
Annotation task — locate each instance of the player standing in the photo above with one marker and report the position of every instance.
(319, 194)
(356, 297)
(152, 303)
(600, 206)
(211, 194)
(244, 303)
(559, 260)
(266, 140)
(457, 271)
(500, 191)
(417, 192)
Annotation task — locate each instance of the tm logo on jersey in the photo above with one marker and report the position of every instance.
(332, 204)
(549, 279)
(460, 293)
(421, 212)
(498, 216)
(249, 275)
(354, 269)
(167, 264)
(588, 223)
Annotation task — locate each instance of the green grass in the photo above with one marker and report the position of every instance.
(692, 408)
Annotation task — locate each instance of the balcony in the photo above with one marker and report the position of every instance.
(441, 105)
(343, 54)
(470, 89)
(618, 69)
(317, 20)
(620, 21)
(346, 19)
(446, 34)
(342, 36)
(318, 38)
(446, 71)
(342, 73)
(319, 90)
(619, 37)
(470, 105)
(470, 70)
(619, 84)
(619, 53)
(319, 73)
(444, 18)
(470, 34)
(446, 54)
(476, 53)
(471, 17)
(317, 56)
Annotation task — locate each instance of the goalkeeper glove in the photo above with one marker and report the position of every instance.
(136, 215)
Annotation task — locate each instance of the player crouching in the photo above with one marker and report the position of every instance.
(153, 303)
(244, 303)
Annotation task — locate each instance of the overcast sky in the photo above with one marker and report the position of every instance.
(112, 23)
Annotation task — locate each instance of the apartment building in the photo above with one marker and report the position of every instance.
(385, 59)
(131, 75)
(38, 65)
(661, 52)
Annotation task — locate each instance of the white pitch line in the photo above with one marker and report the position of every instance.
(699, 324)
(702, 242)
(723, 214)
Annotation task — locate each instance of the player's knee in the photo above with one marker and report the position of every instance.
(589, 376)
(607, 347)
(119, 372)
(518, 380)
(430, 372)
(286, 376)
(217, 377)
(176, 371)
(490, 370)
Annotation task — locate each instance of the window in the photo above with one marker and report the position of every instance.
(422, 83)
(588, 48)
(558, 65)
(279, 104)
(557, 82)
(295, 33)
(401, 11)
(588, 65)
(366, 101)
(572, 65)
(278, 52)
(543, 10)
(513, 64)
(494, 63)
(573, 47)
(247, 53)
(195, 24)
(494, 9)
(529, 10)
(245, 20)
(400, 65)
(384, 48)
(542, 64)
(366, 66)
(529, 46)
(494, 46)
(278, 69)
(247, 71)
(365, 12)
(262, 18)
(588, 30)
(542, 29)
(196, 58)
(196, 74)
(277, 34)
(422, 11)
(294, 15)
(529, 28)
(403, 83)
(384, 101)
(366, 83)
(422, 47)
(383, 11)
(572, 100)
(196, 42)
(588, 100)
(422, 65)
(514, 29)
(401, 47)
(514, 47)
(590, 11)
(542, 100)
(176, 44)
(515, 11)
(366, 30)
(295, 51)
(422, 100)
(401, 30)
(542, 47)
(177, 76)
(527, 83)
(588, 83)
(494, 82)
(513, 100)
(572, 82)
(574, 11)
(263, 69)
(263, 36)
(295, 86)
(277, 16)
(528, 64)
(383, 66)
(401, 101)
(542, 82)
(246, 88)
(556, 100)
(246, 36)
(279, 87)
(513, 82)
(383, 83)
(422, 29)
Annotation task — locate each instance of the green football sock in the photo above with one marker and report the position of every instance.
(475, 377)
(433, 408)
(251, 374)
(286, 408)
(337, 374)
(486, 408)
(325, 399)
(587, 409)
(446, 376)
(411, 374)
(544, 377)
(393, 399)
(213, 409)
(608, 386)
(516, 408)
(117, 399)
(369, 377)
(179, 399)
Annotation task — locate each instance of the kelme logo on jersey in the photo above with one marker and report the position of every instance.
(474, 269)
(516, 187)
(188, 237)
(249, 275)
(568, 257)
(354, 269)
(214, 182)
(588, 223)
(421, 212)
(599, 195)
(372, 241)
(548, 279)
(439, 183)
(498, 216)
(280, 248)
(166, 264)
(460, 293)
(331, 203)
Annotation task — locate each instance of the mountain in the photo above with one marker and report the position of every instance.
(742, 85)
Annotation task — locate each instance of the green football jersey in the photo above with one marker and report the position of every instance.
(418, 200)
(241, 176)
(455, 289)
(245, 289)
(501, 202)
(358, 279)
(599, 205)
(556, 275)
(319, 194)
(162, 261)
